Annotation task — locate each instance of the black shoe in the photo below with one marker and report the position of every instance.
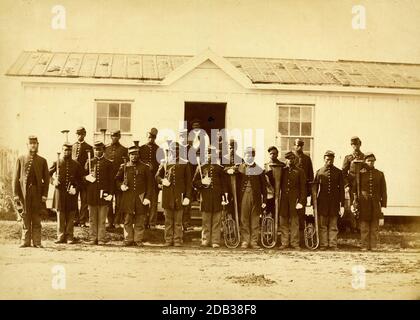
(177, 244)
(24, 245)
(283, 247)
(167, 244)
(255, 246)
(139, 244)
(38, 246)
(93, 242)
(73, 241)
(60, 241)
(128, 243)
(323, 248)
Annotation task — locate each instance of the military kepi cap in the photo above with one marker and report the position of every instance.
(116, 133)
(355, 139)
(250, 150)
(133, 149)
(289, 155)
(370, 155)
(329, 153)
(98, 145)
(153, 132)
(272, 148)
(32, 138)
(67, 145)
(80, 130)
(299, 142)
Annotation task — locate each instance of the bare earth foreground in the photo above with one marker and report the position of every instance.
(153, 272)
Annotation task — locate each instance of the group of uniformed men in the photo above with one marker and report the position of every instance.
(133, 178)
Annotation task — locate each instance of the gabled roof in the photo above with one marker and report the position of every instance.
(250, 72)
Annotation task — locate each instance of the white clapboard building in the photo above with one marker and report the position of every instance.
(323, 102)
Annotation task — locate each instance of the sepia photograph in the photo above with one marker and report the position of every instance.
(182, 150)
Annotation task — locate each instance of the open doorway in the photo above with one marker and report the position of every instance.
(211, 115)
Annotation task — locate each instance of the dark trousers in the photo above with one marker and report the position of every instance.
(152, 219)
(186, 216)
(134, 227)
(328, 231)
(65, 225)
(211, 227)
(82, 215)
(31, 221)
(250, 218)
(369, 233)
(114, 214)
(97, 220)
(173, 226)
(289, 222)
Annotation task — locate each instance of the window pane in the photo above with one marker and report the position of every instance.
(295, 114)
(307, 145)
(306, 114)
(306, 129)
(294, 128)
(125, 125)
(284, 128)
(114, 110)
(102, 110)
(283, 113)
(125, 110)
(284, 144)
(113, 124)
(100, 123)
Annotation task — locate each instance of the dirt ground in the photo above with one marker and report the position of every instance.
(191, 272)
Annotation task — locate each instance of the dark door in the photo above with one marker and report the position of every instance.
(211, 115)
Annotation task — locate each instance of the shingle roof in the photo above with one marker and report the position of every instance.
(258, 70)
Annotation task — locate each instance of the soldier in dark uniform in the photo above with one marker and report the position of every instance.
(79, 153)
(293, 198)
(253, 198)
(152, 154)
(115, 152)
(100, 188)
(373, 201)
(274, 153)
(135, 181)
(67, 184)
(211, 183)
(304, 162)
(184, 148)
(176, 182)
(348, 170)
(330, 200)
(30, 187)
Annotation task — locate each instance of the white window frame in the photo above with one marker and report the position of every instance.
(279, 136)
(120, 101)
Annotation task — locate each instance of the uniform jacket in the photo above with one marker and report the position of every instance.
(179, 175)
(70, 173)
(330, 190)
(373, 194)
(269, 175)
(305, 163)
(293, 188)
(149, 153)
(115, 154)
(79, 152)
(139, 181)
(211, 196)
(255, 175)
(42, 176)
(102, 171)
(349, 168)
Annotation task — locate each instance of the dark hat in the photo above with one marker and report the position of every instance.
(289, 155)
(153, 132)
(370, 155)
(116, 133)
(98, 145)
(80, 130)
(250, 150)
(133, 149)
(355, 139)
(67, 145)
(299, 142)
(329, 153)
(195, 121)
(136, 143)
(272, 148)
(33, 138)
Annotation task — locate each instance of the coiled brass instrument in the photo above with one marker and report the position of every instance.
(230, 228)
(269, 224)
(310, 231)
